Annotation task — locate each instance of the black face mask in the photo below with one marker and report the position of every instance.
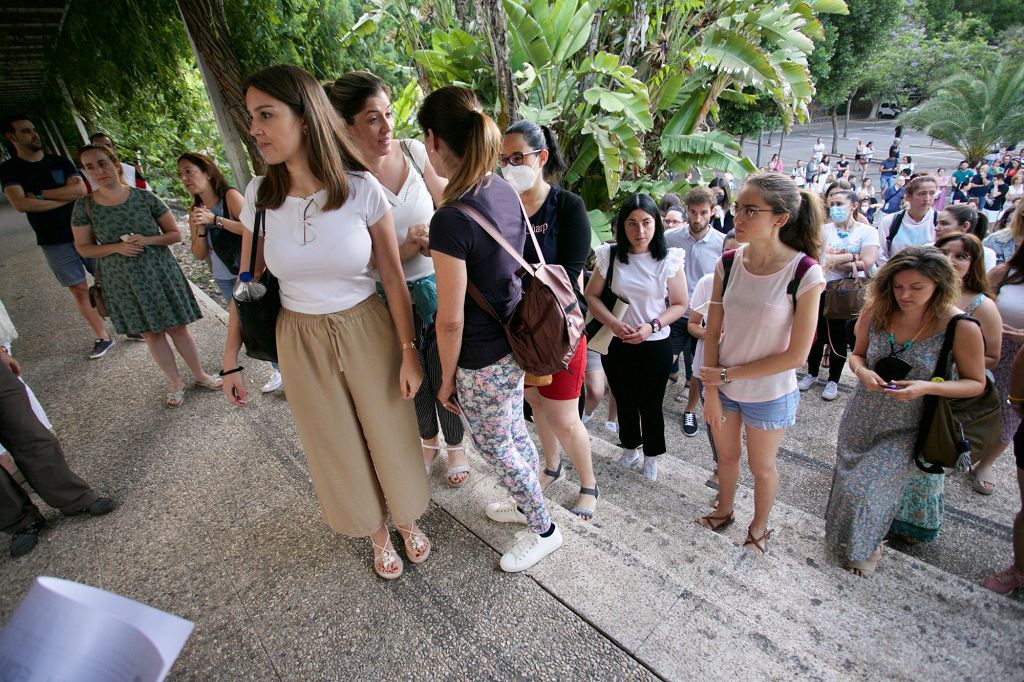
(892, 368)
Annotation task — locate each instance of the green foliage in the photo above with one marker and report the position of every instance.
(838, 60)
(975, 115)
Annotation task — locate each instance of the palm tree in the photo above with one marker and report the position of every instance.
(975, 114)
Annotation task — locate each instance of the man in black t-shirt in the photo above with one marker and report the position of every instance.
(44, 187)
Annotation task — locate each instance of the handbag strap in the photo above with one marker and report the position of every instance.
(87, 205)
(258, 230)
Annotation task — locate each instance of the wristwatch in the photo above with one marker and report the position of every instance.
(218, 221)
(725, 375)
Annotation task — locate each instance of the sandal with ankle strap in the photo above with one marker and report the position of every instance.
(716, 523)
(458, 469)
(437, 451)
(585, 513)
(761, 543)
(388, 557)
(417, 544)
(552, 475)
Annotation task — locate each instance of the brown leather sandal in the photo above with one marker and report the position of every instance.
(716, 523)
(761, 543)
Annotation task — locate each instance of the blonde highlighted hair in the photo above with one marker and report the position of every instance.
(881, 306)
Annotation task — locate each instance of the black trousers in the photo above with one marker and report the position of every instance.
(637, 374)
(683, 346)
(39, 457)
(429, 411)
(833, 333)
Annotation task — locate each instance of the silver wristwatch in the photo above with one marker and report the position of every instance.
(725, 375)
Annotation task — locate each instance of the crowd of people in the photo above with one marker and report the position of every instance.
(394, 293)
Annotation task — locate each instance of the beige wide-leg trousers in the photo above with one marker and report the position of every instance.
(340, 374)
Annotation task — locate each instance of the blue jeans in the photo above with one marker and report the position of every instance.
(885, 182)
(769, 415)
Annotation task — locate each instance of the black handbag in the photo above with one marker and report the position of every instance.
(258, 317)
(608, 297)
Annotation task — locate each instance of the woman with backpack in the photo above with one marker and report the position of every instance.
(641, 269)
(530, 155)
(913, 226)
(479, 375)
(910, 304)
(764, 309)
(412, 188)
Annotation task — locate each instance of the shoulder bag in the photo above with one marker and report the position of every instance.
(599, 336)
(954, 432)
(258, 317)
(845, 297)
(95, 291)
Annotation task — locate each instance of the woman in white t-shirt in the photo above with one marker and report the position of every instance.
(647, 273)
(965, 219)
(345, 370)
(760, 326)
(412, 187)
(849, 246)
(916, 223)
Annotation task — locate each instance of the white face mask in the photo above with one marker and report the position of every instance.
(520, 177)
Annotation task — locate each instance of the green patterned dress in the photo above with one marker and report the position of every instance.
(148, 292)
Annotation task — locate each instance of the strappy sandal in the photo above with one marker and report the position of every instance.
(552, 476)
(437, 451)
(585, 513)
(387, 559)
(716, 523)
(417, 544)
(982, 484)
(458, 469)
(214, 383)
(761, 543)
(176, 398)
(866, 567)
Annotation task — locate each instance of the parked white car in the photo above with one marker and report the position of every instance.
(889, 110)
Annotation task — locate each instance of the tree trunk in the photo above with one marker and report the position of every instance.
(495, 24)
(464, 13)
(846, 123)
(875, 103)
(208, 28)
(771, 134)
(595, 35)
(782, 140)
(636, 34)
(835, 129)
(760, 137)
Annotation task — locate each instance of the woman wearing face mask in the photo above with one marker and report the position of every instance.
(722, 220)
(965, 219)
(412, 188)
(647, 273)
(920, 514)
(529, 157)
(851, 248)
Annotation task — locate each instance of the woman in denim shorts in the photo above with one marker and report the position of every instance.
(760, 327)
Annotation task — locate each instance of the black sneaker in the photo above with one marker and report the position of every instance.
(99, 507)
(24, 541)
(689, 424)
(134, 337)
(100, 348)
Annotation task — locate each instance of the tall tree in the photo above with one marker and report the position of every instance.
(495, 26)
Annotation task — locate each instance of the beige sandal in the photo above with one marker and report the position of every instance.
(417, 544)
(388, 558)
(457, 469)
(176, 398)
(866, 567)
(214, 383)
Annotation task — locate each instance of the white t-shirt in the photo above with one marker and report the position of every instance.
(819, 151)
(911, 233)
(758, 320)
(699, 300)
(411, 206)
(1010, 303)
(991, 259)
(643, 282)
(331, 271)
(859, 236)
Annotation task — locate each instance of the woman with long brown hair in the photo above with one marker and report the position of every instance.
(324, 218)
(899, 334)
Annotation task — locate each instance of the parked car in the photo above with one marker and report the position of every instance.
(889, 110)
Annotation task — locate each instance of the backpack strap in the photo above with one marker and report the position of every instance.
(728, 258)
(805, 264)
(894, 228)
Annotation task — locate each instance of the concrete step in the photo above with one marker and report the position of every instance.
(689, 602)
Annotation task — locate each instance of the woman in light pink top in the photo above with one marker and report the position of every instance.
(760, 327)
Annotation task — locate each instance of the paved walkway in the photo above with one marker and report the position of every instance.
(218, 524)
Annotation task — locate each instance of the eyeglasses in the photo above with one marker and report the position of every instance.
(751, 212)
(515, 158)
(308, 233)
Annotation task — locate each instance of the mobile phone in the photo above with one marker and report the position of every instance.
(892, 388)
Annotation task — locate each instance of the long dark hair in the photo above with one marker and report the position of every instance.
(803, 229)
(541, 137)
(328, 148)
(658, 247)
(975, 280)
(349, 93)
(207, 165)
(455, 116)
(966, 213)
(721, 184)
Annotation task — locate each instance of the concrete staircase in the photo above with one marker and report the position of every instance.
(689, 603)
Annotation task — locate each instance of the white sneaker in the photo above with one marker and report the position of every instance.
(505, 512)
(587, 417)
(807, 381)
(651, 468)
(528, 549)
(630, 456)
(273, 383)
(612, 426)
(831, 391)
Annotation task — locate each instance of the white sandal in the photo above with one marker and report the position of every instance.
(417, 544)
(458, 469)
(388, 558)
(437, 451)
(212, 382)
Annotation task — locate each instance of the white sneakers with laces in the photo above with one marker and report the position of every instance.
(273, 383)
(529, 548)
(505, 512)
(807, 381)
(831, 391)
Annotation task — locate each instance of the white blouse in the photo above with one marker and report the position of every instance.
(643, 282)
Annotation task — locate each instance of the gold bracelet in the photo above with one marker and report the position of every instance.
(409, 345)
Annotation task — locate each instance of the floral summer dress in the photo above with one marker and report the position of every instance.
(873, 455)
(148, 292)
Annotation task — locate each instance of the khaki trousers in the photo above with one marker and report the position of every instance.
(360, 438)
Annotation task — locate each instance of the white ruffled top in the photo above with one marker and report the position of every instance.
(643, 282)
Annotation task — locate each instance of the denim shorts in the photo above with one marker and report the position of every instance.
(768, 415)
(66, 264)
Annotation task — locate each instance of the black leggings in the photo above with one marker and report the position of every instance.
(832, 333)
(637, 374)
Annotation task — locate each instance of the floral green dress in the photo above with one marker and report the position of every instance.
(874, 455)
(144, 293)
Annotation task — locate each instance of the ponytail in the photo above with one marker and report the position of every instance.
(803, 229)
(455, 116)
(977, 222)
(541, 137)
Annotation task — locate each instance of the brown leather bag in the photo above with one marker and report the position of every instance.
(546, 326)
(845, 297)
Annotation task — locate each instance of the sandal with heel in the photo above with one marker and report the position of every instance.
(716, 523)
(388, 558)
(761, 543)
(457, 469)
(417, 544)
(585, 513)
